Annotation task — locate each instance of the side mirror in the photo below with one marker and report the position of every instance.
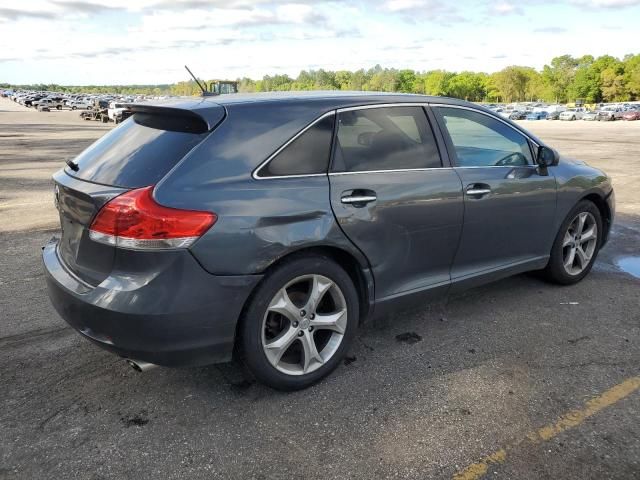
(547, 157)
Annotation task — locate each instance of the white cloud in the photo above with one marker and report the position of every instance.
(402, 5)
(148, 41)
(614, 4)
(505, 8)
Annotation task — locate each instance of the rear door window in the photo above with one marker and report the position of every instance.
(384, 138)
(140, 151)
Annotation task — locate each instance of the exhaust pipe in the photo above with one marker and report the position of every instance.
(139, 365)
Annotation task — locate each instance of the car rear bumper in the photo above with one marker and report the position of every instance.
(180, 315)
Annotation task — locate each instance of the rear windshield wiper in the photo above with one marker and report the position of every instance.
(72, 165)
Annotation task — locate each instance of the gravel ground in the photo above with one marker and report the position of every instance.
(483, 369)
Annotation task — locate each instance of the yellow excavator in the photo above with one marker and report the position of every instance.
(216, 87)
(221, 87)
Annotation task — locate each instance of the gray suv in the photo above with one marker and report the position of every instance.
(268, 227)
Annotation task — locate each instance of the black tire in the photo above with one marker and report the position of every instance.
(250, 341)
(555, 271)
(73, 107)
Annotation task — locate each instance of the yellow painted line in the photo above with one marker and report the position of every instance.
(569, 420)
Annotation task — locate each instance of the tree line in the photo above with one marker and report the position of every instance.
(564, 79)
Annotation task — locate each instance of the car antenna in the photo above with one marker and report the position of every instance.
(204, 90)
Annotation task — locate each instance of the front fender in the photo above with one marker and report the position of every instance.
(577, 180)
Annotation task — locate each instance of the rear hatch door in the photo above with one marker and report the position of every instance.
(137, 153)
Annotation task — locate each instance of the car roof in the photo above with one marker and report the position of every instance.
(340, 98)
(331, 98)
(311, 103)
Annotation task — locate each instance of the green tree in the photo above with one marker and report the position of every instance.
(632, 75)
(535, 88)
(382, 79)
(513, 82)
(559, 76)
(246, 85)
(468, 86)
(613, 84)
(276, 83)
(566, 78)
(436, 82)
(586, 82)
(406, 81)
(343, 79)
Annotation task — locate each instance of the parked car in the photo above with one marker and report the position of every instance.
(610, 114)
(270, 226)
(590, 115)
(537, 115)
(115, 112)
(555, 115)
(49, 103)
(517, 115)
(571, 114)
(631, 115)
(82, 104)
(28, 101)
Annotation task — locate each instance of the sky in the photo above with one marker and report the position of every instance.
(78, 42)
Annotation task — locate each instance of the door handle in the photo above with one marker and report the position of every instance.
(363, 199)
(478, 189)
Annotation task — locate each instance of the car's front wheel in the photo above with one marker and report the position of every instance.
(299, 323)
(576, 245)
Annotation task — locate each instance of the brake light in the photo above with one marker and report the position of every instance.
(135, 220)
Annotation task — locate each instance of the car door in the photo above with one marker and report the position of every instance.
(394, 198)
(509, 202)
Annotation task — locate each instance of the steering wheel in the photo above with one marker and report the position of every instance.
(515, 158)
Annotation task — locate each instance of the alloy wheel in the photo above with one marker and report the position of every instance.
(579, 243)
(304, 324)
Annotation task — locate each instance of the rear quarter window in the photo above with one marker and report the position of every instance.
(307, 154)
(140, 151)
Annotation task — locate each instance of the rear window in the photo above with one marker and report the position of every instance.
(140, 151)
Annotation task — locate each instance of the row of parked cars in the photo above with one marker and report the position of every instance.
(104, 108)
(44, 101)
(610, 112)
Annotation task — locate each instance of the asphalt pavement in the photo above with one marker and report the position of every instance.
(514, 380)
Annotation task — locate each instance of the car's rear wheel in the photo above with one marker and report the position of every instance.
(576, 245)
(299, 323)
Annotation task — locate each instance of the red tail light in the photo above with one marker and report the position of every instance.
(134, 220)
